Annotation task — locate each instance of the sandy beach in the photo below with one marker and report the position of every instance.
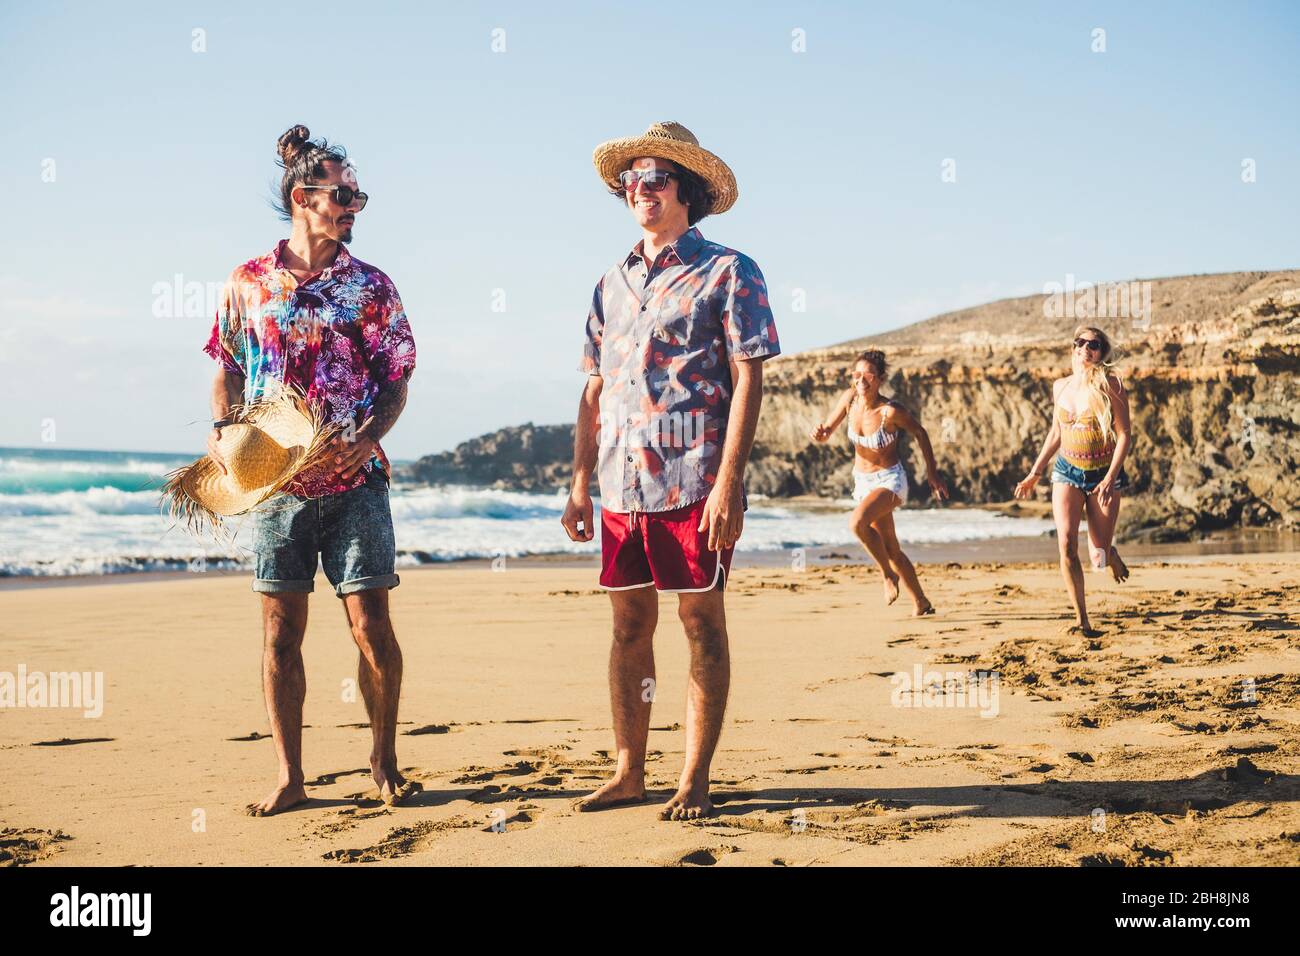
(1146, 746)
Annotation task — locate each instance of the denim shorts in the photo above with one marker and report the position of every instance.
(350, 532)
(1086, 481)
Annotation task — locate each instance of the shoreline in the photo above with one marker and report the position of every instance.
(1240, 543)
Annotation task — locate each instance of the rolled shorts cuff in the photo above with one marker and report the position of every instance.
(265, 586)
(389, 581)
(1063, 473)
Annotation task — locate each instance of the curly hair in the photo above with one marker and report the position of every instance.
(874, 358)
(303, 161)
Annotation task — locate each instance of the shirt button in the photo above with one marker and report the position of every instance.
(629, 457)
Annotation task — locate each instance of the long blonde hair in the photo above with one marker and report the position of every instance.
(1095, 381)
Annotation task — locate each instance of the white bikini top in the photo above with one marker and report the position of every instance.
(877, 440)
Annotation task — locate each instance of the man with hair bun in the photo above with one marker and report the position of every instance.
(309, 317)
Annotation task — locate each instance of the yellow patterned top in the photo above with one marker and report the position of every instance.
(1082, 443)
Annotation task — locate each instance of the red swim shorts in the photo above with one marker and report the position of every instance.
(662, 548)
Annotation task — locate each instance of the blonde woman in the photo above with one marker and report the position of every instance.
(879, 480)
(1090, 428)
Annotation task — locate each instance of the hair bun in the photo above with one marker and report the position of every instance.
(291, 143)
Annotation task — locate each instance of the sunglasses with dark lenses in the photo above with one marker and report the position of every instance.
(1092, 345)
(343, 195)
(655, 179)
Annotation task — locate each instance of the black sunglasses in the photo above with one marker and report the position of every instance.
(1092, 345)
(343, 195)
(655, 179)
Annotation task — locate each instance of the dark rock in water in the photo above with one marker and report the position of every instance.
(1211, 374)
(522, 458)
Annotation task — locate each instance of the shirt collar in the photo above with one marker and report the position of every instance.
(682, 249)
(342, 261)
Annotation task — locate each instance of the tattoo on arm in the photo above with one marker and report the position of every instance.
(388, 406)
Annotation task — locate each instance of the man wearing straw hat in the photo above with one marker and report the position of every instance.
(315, 352)
(675, 340)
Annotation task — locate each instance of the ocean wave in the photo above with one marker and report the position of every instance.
(104, 500)
(40, 472)
(37, 466)
(463, 501)
(106, 530)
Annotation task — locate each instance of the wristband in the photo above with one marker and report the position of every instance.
(222, 423)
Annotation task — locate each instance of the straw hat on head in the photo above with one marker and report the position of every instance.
(669, 140)
(268, 443)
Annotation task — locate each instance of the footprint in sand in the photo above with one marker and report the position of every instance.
(400, 842)
(704, 856)
(21, 847)
(522, 819)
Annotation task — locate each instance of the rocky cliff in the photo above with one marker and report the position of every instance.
(1211, 369)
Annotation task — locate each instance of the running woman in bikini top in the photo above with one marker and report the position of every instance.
(879, 440)
(880, 490)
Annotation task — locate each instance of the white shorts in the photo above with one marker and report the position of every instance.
(894, 479)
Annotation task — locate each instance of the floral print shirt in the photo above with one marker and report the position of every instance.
(661, 336)
(339, 336)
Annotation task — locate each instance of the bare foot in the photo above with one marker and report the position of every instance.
(923, 609)
(1081, 630)
(891, 588)
(394, 789)
(619, 792)
(281, 798)
(689, 803)
(1118, 569)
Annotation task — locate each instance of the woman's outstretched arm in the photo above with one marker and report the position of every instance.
(826, 429)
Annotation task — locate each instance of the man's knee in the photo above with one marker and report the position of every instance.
(284, 623)
(372, 629)
(706, 630)
(636, 612)
(629, 630)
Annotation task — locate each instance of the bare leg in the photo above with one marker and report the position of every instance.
(865, 515)
(1067, 506)
(631, 664)
(379, 672)
(705, 621)
(284, 684)
(884, 526)
(1101, 534)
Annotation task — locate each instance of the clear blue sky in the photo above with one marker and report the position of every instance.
(1105, 165)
